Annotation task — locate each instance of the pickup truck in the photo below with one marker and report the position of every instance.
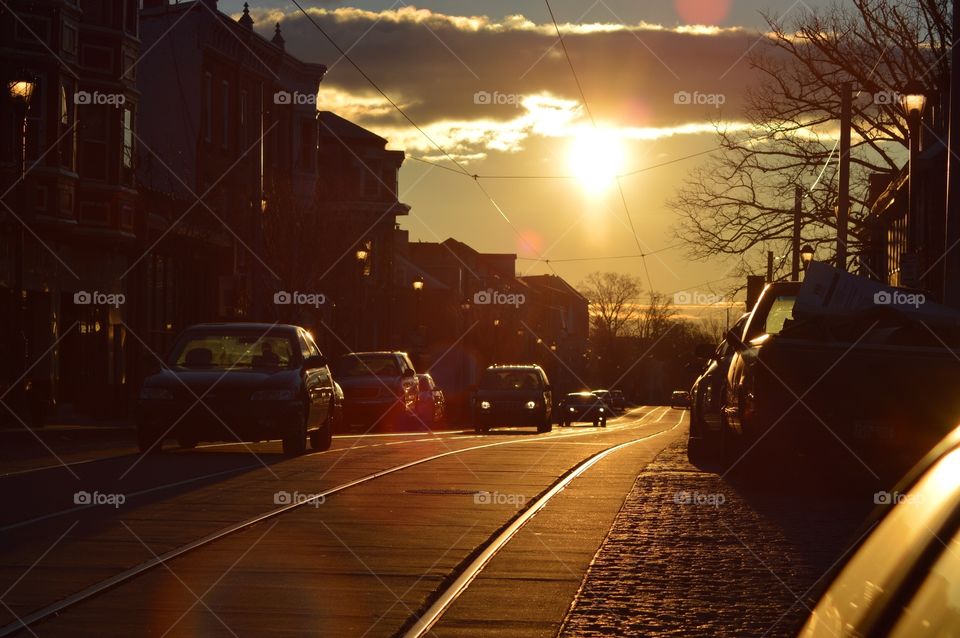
(875, 388)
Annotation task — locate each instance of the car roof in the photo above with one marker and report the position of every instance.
(265, 327)
(500, 366)
(376, 352)
(580, 394)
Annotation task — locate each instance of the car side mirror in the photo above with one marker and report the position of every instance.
(315, 361)
(704, 351)
(409, 373)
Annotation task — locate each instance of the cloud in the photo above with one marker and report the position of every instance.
(472, 80)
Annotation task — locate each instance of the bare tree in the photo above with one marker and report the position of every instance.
(740, 202)
(613, 301)
(656, 318)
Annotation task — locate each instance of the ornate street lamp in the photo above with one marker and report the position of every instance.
(913, 100)
(418, 284)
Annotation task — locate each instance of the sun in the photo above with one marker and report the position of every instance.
(596, 157)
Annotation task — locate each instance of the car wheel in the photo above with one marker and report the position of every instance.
(149, 440)
(603, 423)
(322, 439)
(295, 442)
(187, 442)
(545, 426)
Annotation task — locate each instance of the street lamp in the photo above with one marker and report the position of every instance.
(362, 254)
(913, 100)
(806, 255)
(418, 284)
(20, 92)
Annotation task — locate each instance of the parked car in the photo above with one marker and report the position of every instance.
(337, 407)
(583, 406)
(513, 395)
(680, 399)
(902, 579)
(239, 381)
(431, 405)
(380, 389)
(706, 394)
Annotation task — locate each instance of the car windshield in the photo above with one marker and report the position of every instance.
(510, 380)
(352, 365)
(226, 350)
(581, 398)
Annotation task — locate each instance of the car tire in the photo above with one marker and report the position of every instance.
(295, 442)
(322, 439)
(545, 426)
(149, 440)
(603, 423)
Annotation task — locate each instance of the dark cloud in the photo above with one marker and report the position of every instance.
(436, 65)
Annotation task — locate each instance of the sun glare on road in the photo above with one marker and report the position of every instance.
(596, 157)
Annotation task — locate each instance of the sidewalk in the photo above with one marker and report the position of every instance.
(691, 554)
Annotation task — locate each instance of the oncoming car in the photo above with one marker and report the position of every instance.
(583, 406)
(513, 395)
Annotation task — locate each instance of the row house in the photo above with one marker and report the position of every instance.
(69, 231)
(228, 141)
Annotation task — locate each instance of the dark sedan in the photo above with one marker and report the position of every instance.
(239, 382)
(583, 406)
(513, 395)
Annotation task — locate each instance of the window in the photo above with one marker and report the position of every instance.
(244, 119)
(94, 134)
(69, 43)
(208, 107)
(225, 115)
(126, 159)
(131, 15)
(64, 133)
(780, 311)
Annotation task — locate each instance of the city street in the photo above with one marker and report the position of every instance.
(224, 539)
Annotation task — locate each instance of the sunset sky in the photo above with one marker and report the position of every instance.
(489, 83)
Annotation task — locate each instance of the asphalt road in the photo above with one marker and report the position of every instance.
(362, 540)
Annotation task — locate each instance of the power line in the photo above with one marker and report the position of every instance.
(613, 257)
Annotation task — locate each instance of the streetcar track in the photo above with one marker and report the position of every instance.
(25, 621)
(461, 578)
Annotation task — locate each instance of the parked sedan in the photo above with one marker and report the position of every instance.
(513, 395)
(583, 406)
(431, 405)
(239, 382)
(380, 389)
(903, 579)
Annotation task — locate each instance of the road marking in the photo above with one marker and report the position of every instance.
(435, 611)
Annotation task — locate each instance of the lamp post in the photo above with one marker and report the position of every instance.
(363, 261)
(806, 256)
(913, 100)
(417, 294)
(20, 92)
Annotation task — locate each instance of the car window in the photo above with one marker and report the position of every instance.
(780, 311)
(935, 608)
(872, 575)
(510, 380)
(312, 345)
(352, 365)
(234, 350)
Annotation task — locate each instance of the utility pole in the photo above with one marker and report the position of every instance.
(797, 211)
(843, 196)
(951, 249)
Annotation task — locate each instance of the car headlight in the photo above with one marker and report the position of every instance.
(484, 405)
(601, 409)
(573, 409)
(273, 395)
(531, 405)
(156, 394)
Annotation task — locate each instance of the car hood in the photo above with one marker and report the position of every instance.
(202, 380)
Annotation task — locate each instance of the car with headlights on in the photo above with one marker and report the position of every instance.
(239, 382)
(583, 406)
(513, 395)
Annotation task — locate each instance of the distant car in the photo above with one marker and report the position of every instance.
(902, 579)
(513, 395)
(707, 393)
(680, 399)
(583, 406)
(380, 389)
(431, 405)
(239, 381)
(619, 400)
(604, 395)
